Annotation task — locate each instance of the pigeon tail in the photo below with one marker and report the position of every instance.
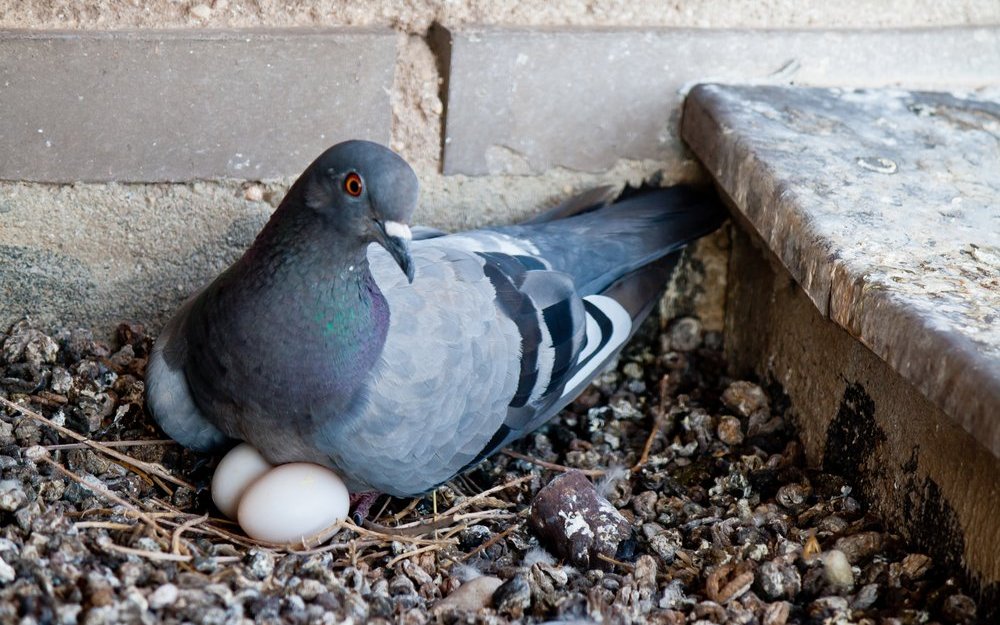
(599, 247)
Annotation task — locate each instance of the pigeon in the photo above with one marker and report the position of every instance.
(400, 357)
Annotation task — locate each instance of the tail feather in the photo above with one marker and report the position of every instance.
(585, 202)
(625, 236)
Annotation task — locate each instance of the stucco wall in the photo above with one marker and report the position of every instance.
(106, 251)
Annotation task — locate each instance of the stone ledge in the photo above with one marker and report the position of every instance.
(151, 106)
(882, 205)
(521, 101)
(923, 474)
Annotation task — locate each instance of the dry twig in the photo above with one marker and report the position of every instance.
(133, 463)
(553, 466)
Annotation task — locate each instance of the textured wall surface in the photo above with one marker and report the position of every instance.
(95, 253)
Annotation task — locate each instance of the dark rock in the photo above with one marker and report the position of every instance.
(745, 398)
(473, 536)
(577, 523)
(778, 580)
(959, 608)
(685, 334)
(513, 597)
(859, 547)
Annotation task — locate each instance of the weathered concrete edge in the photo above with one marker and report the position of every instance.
(946, 368)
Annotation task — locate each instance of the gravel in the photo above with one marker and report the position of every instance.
(728, 524)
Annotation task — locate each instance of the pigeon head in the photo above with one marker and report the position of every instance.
(366, 192)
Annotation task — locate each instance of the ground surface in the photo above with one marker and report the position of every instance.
(728, 524)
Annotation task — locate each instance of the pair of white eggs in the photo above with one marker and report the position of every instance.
(278, 504)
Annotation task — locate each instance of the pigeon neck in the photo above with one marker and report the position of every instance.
(320, 291)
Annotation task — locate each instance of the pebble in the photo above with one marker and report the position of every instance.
(201, 11)
(685, 334)
(253, 193)
(7, 573)
(778, 580)
(730, 430)
(579, 524)
(745, 398)
(6, 434)
(260, 564)
(837, 570)
(513, 597)
(473, 536)
(12, 495)
(859, 547)
(959, 608)
(828, 610)
(471, 596)
(163, 596)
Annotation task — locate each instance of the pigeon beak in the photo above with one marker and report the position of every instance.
(395, 238)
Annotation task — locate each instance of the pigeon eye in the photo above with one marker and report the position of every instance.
(353, 185)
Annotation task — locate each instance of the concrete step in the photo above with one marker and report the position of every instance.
(866, 281)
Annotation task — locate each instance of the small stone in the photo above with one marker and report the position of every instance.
(859, 547)
(959, 608)
(35, 453)
(828, 610)
(6, 434)
(730, 430)
(7, 573)
(473, 536)
(51, 490)
(915, 565)
(578, 523)
(685, 334)
(778, 580)
(201, 11)
(745, 398)
(793, 496)
(833, 524)
(866, 597)
(513, 597)
(837, 570)
(401, 585)
(27, 433)
(632, 370)
(163, 596)
(665, 546)
(12, 495)
(644, 505)
(777, 613)
(61, 381)
(310, 589)
(253, 193)
(121, 359)
(471, 596)
(260, 564)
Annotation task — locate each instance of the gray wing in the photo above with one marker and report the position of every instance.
(168, 397)
(479, 347)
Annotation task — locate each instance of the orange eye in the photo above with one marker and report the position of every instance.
(353, 184)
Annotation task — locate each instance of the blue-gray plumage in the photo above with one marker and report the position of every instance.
(337, 340)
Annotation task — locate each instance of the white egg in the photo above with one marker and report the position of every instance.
(239, 469)
(293, 501)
